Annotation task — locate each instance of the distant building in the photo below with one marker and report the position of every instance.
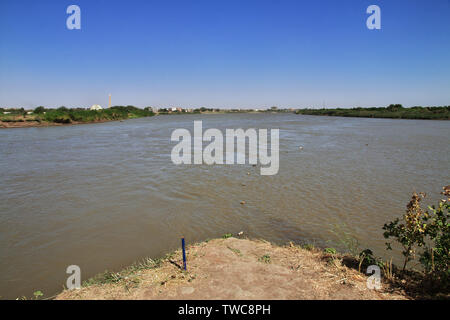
(95, 107)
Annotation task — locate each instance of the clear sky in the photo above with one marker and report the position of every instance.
(227, 54)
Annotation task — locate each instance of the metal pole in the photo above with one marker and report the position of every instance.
(184, 253)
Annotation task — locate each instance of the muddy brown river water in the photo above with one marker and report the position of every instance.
(102, 196)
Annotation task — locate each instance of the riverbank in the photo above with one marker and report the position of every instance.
(391, 112)
(64, 116)
(233, 268)
(42, 117)
(37, 124)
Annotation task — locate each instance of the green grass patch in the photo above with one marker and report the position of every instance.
(265, 258)
(330, 250)
(236, 251)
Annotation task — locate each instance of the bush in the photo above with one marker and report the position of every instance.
(436, 257)
(429, 229)
(411, 233)
(366, 257)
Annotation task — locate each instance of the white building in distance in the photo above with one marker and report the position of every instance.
(95, 107)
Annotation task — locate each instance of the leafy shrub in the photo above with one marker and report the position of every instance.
(411, 233)
(436, 257)
(366, 257)
(429, 229)
(37, 294)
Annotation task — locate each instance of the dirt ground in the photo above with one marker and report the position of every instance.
(239, 269)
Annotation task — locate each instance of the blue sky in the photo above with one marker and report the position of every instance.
(227, 54)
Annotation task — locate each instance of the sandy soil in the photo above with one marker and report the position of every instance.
(239, 269)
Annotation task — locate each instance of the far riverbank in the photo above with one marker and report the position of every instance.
(63, 116)
(393, 111)
(41, 117)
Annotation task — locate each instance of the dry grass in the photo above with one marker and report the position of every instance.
(235, 269)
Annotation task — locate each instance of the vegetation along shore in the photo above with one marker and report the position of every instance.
(16, 118)
(41, 116)
(235, 267)
(393, 111)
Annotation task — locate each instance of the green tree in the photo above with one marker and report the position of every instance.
(39, 110)
(394, 107)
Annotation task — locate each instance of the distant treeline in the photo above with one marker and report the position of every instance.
(69, 115)
(395, 111)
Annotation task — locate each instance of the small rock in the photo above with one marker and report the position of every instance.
(187, 290)
(242, 202)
